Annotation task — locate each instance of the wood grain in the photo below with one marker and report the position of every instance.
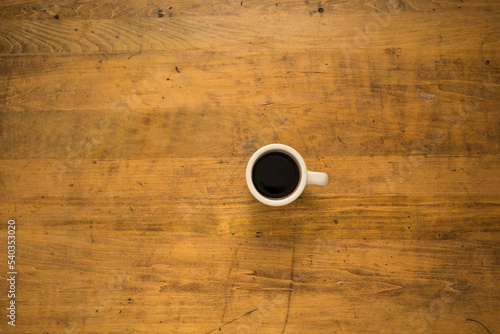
(125, 130)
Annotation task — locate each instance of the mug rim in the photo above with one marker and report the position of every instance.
(302, 174)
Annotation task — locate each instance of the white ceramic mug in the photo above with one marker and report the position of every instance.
(305, 177)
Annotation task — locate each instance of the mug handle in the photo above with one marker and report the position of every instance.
(317, 178)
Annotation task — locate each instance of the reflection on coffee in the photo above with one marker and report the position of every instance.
(275, 175)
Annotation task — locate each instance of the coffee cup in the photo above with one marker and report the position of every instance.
(277, 175)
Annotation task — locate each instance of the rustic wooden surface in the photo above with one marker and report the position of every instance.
(125, 131)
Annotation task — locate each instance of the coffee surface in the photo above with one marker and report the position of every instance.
(275, 175)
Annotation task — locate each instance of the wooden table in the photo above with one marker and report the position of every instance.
(125, 132)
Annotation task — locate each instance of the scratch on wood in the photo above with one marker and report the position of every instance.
(178, 318)
(480, 324)
(317, 156)
(135, 54)
(7, 89)
(230, 322)
(146, 230)
(32, 125)
(272, 127)
(292, 274)
(229, 294)
(337, 322)
(410, 2)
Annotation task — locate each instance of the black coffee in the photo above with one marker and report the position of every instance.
(275, 175)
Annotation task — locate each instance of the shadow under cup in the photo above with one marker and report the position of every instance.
(276, 175)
